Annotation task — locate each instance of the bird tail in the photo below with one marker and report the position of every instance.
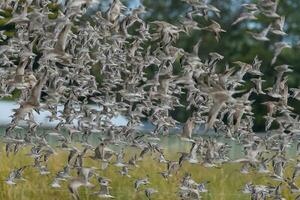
(273, 60)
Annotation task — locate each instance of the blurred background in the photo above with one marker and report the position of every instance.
(235, 44)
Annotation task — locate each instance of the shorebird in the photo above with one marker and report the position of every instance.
(250, 6)
(262, 36)
(15, 175)
(278, 25)
(86, 172)
(21, 18)
(149, 192)
(139, 182)
(75, 184)
(278, 167)
(245, 16)
(247, 189)
(33, 101)
(296, 171)
(275, 90)
(292, 186)
(214, 27)
(278, 47)
(55, 183)
(120, 159)
(258, 85)
(104, 189)
(187, 129)
(114, 11)
(220, 97)
(202, 186)
(124, 171)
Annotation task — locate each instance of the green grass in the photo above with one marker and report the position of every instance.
(225, 182)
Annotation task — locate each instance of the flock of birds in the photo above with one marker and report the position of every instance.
(61, 53)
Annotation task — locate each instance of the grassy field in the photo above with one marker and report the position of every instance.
(225, 182)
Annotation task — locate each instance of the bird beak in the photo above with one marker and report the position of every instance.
(37, 110)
